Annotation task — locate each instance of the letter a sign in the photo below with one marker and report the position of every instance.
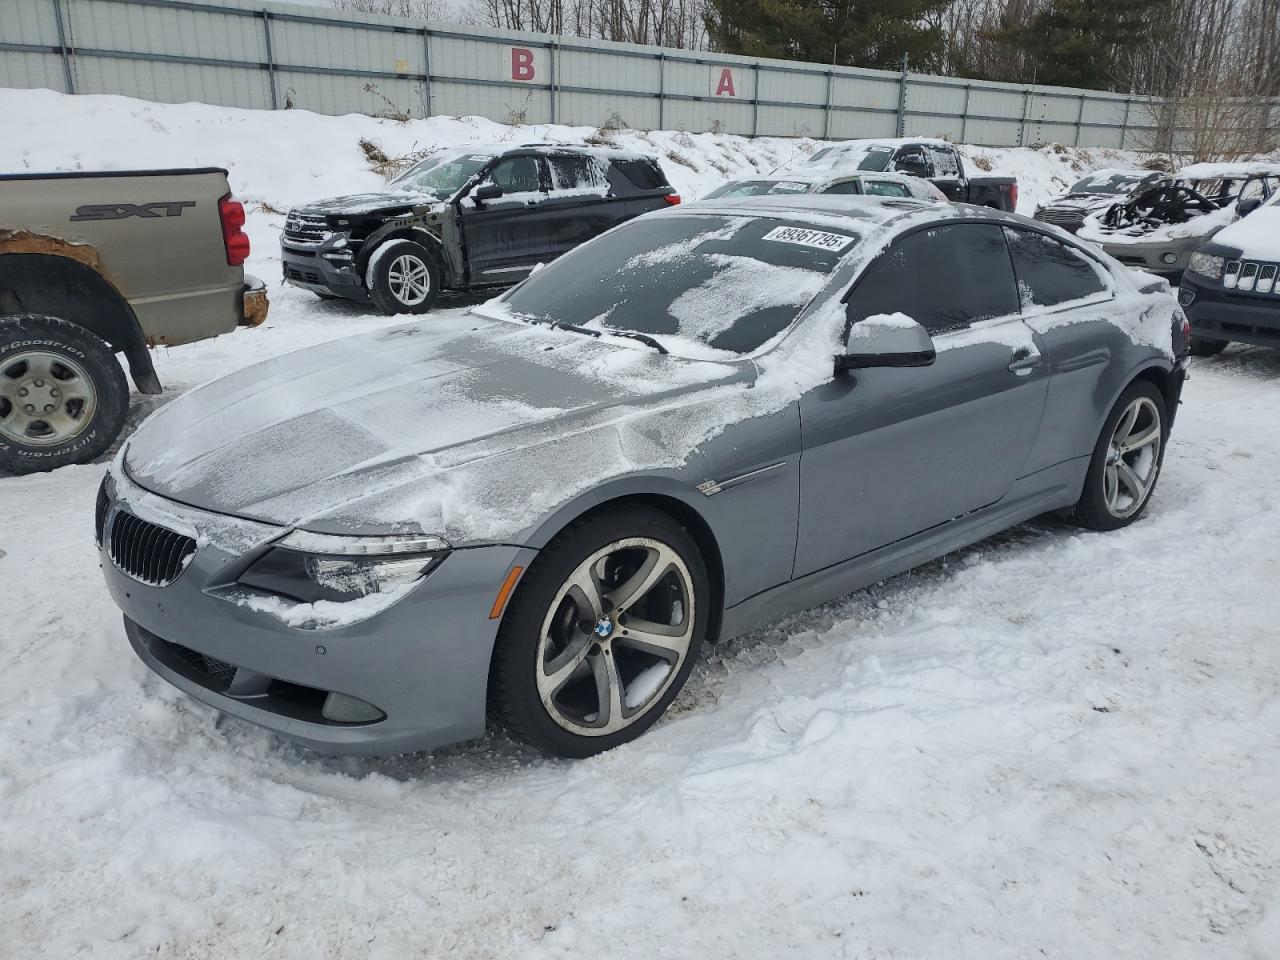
(722, 84)
(520, 62)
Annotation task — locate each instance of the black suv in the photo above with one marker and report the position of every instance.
(466, 218)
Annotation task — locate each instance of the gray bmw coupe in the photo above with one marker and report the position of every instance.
(536, 511)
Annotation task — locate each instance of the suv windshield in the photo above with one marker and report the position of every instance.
(756, 188)
(1109, 184)
(731, 283)
(443, 175)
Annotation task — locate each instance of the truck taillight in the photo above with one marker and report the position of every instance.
(234, 239)
(1013, 193)
(671, 198)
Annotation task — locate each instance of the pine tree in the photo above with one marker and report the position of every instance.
(1080, 43)
(858, 33)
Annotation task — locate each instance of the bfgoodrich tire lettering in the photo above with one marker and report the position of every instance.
(601, 634)
(63, 396)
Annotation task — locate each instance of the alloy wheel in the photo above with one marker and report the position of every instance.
(1133, 458)
(409, 279)
(45, 398)
(615, 636)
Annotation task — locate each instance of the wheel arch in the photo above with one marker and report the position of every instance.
(671, 500)
(63, 280)
(417, 234)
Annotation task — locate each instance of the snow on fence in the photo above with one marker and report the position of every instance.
(274, 56)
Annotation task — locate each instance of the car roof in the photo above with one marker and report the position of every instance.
(823, 175)
(501, 149)
(1212, 171)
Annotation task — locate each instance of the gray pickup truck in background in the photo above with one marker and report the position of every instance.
(95, 264)
(927, 158)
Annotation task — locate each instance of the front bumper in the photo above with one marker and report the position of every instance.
(1217, 313)
(423, 662)
(253, 302)
(1151, 256)
(308, 268)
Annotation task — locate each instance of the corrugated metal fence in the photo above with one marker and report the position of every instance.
(278, 55)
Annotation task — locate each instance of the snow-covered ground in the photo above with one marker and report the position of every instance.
(1056, 744)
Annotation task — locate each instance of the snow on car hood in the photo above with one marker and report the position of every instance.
(1256, 236)
(457, 425)
(359, 204)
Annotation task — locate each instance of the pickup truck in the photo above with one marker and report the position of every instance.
(934, 160)
(466, 218)
(98, 264)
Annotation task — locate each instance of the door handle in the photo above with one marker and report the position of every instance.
(1024, 361)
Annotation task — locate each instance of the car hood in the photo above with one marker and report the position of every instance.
(1083, 202)
(360, 204)
(1256, 236)
(408, 428)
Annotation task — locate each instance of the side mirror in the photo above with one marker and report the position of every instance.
(886, 340)
(1246, 207)
(486, 191)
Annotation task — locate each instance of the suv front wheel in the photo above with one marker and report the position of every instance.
(402, 277)
(63, 395)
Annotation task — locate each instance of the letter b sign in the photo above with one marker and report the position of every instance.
(521, 62)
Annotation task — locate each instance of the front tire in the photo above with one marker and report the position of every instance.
(602, 633)
(1126, 460)
(403, 277)
(63, 395)
(1201, 347)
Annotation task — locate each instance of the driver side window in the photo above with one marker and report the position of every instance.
(943, 277)
(912, 161)
(517, 175)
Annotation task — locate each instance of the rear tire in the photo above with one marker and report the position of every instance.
(403, 277)
(1202, 347)
(1126, 460)
(63, 395)
(601, 634)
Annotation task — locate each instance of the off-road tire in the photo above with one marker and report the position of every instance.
(514, 700)
(32, 334)
(391, 260)
(1092, 510)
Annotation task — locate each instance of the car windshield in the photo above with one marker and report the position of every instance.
(1109, 184)
(443, 175)
(874, 157)
(756, 188)
(730, 283)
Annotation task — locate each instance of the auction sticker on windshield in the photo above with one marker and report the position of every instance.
(809, 238)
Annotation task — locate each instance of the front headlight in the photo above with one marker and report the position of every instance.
(308, 567)
(1207, 265)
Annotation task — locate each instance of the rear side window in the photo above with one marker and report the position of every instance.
(885, 188)
(945, 163)
(576, 173)
(1049, 272)
(943, 277)
(640, 173)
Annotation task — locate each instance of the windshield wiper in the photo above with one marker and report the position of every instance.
(644, 338)
(559, 325)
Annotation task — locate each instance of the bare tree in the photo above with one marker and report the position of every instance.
(664, 23)
(414, 9)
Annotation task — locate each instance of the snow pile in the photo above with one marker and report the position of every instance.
(285, 158)
(1045, 745)
(1257, 236)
